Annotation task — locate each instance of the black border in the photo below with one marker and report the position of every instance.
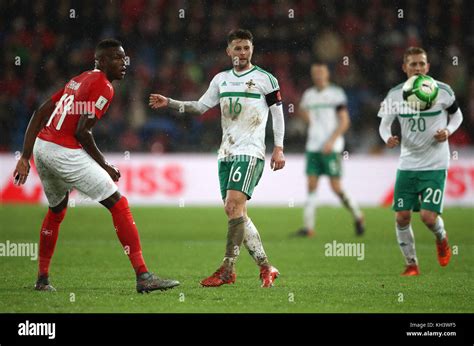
(228, 329)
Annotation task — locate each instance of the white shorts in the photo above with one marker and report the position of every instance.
(62, 169)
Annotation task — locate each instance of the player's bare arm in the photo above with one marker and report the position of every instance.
(343, 126)
(37, 122)
(393, 141)
(278, 158)
(303, 114)
(84, 136)
(157, 101)
(442, 135)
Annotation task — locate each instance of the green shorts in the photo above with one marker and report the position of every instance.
(241, 173)
(318, 164)
(415, 189)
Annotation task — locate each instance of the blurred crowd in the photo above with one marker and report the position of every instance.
(176, 47)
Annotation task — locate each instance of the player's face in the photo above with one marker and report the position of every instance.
(115, 63)
(320, 75)
(240, 51)
(416, 64)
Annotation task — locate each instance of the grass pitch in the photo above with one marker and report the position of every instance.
(92, 274)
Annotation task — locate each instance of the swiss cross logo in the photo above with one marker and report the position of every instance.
(101, 101)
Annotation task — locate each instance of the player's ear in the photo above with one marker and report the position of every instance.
(427, 68)
(404, 68)
(227, 50)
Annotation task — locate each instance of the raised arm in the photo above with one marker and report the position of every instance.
(158, 101)
(207, 101)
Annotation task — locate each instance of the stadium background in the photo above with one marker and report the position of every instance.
(54, 40)
(178, 56)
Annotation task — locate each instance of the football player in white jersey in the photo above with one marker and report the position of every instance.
(245, 93)
(424, 159)
(324, 109)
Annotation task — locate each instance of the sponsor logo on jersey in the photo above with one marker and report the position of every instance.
(224, 83)
(101, 101)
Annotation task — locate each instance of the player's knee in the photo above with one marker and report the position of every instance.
(428, 218)
(403, 219)
(233, 208)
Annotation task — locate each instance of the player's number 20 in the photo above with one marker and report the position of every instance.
(417, 124)
(63, 105)
(433, 196)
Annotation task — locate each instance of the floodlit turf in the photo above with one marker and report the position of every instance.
(92, 274)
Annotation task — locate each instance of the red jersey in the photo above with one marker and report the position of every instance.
(87, 93)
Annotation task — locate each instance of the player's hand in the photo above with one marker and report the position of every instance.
(157, 101)
(21, 171)
(278, 159)
(112, 171)
(393, 142)
(441, 135)
(327, 149)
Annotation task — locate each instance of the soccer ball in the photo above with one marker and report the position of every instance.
(420, 92)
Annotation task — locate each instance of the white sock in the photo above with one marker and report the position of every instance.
(351, 205)
(253, 243)
(406, 240)
(438, 229)
(309, 213)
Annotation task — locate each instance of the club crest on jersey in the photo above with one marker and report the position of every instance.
(101, 101)
(250, 84)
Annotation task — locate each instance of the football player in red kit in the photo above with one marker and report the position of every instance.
(59, 136)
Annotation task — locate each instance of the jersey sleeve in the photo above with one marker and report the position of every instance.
(211, 96)
(100, 96)
(57, 95)
(304, 103)
(447, 97)
(385, 109)
(342, 98)
(270, 84)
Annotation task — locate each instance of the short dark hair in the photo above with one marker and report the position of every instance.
(108, 43)
(413, 51)
(239, 34)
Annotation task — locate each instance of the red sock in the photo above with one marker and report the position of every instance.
(128, 234)
(48, 237)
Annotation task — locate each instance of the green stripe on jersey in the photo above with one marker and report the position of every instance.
(322, 105)
(270, 76)
(427, 114)
(240, 94)
(446, 88)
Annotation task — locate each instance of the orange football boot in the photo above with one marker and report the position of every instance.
(444, 252)
(220, 277)
(411, 270)
(268, 274)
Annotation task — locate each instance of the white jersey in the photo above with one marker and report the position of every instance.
(419, 149)
(244, 110)
(323, 120)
